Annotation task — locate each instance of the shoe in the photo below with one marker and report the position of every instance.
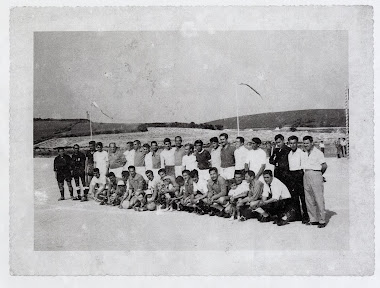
(282, 222)
(84, 198)
(71, 197)
(312, 223)
(212, 213)
(225, 215)
(242, 219)
(76, 198)
(305, 221)
(264, 219)
(61, 198)
(322, 225)
(102, 203)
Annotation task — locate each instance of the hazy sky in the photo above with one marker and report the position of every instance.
(187, 76)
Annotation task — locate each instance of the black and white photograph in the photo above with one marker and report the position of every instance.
(213, 133)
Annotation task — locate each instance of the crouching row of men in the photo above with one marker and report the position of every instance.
(241, 198)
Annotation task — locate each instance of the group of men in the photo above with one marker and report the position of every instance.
(226, 180)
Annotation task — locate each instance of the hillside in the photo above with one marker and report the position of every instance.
(297, 118)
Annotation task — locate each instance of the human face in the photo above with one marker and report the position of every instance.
(132, 172)
(146, 150)
(187, 150)
(99, 148)
(196, 179)
(280, 143)
(248, 178)
(97, 174)
(125, 177)
(213, 175)
(168, 145)
(76, 149)
(162, 174)
(92, 147)
(293, 144)
(154, 147)
(249, 145)
(113, 148)
(214, 145)
(112, 178)
(233, 186)
(61, 152)
(150, 176)
(178, 142)
(308, 145)
(167, 181)
(198, 147)
(136, 145)
(238, 179)
(129, 147)
(186, 176)
(255, 146)
(238, 143)
(268, 179)
(223, 140)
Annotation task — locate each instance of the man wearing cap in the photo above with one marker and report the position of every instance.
(116, 160)
(227, 157)
(315, 166)
(179, 152)
(62, 169)
(79, 165)
(279, 159)
(256, 159)
(90, 162)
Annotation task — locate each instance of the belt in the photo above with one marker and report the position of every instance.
(307, 170)
(300, 170)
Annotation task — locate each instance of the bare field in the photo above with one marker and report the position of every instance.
(71, 225)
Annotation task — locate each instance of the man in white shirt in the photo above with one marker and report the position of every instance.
(179, 152)
(315, 166)
(256, 159)
(200, 191)
(97, 184)
(274, 203)
(167, 158)
(296, 158)
(189, 161)
(101, 159)
(215, 153)
(240, 155)
(129, 156)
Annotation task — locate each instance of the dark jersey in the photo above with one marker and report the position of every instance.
(78, 162)
(203, 159)
(63, 165)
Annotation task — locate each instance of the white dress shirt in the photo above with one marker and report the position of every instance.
(296, 159)
(314, 160)
(130, 157)
(240, 157)
(278, 190)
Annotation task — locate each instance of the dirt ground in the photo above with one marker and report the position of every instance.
(71, 225)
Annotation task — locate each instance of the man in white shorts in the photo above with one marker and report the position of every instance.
(179, 152)
(227, 157)
(97, 184)
(116, 160)
(129, 155)
(101, 160)
(256, 159)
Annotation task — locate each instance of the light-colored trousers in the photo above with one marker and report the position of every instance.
(315, 201)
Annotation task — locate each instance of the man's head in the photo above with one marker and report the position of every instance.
(178, 141)
(125, 175)
(256, 142)
(223, 139)
(198, 145)
(249, 145)
(132, 171)
(213, 173)
(112, 176)
(239, 142)
(167, 144)
(99, 146)
(238, 177)
(189, 149)
(61, 151)
(214, 142)
(76, 148)
(268, 176)
(162, 173)
(186, 174)
(146, 148)
(293, 142)
(180, 181)
(250, 176)
(308, 143)
(113, 147)
(129, 145)
(167, 180)
(279, 138)
(96, 172)
(154, 146)
(92, 145)
(233, 184)
(194, 175)
(149, 174)
(136, 145)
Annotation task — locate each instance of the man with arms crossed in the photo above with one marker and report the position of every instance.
(179, 152)
(116, 160)
(167, 158)
(256, 159)
(279, 159)
(227, 157)
(315, 166)
(296, 159)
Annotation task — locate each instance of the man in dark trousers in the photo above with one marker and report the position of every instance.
(79, 165)
(279, 159)
(62, 169)
(90, 162)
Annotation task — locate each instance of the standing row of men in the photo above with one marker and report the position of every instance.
(300, 171)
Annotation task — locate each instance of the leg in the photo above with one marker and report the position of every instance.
(151, 206)
(61, 189)
(310, 198)
(317, 186)
(68, 181)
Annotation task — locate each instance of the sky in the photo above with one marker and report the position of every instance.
(184, 76)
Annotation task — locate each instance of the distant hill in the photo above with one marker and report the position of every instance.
(297, 118)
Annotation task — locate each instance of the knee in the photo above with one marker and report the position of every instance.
(151, 206)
